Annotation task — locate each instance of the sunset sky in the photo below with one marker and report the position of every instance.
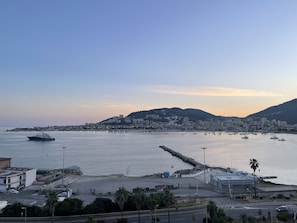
(74, 61)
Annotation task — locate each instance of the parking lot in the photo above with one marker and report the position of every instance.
(88, 188)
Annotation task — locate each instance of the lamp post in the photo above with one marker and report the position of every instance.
(63, 164)
(25, 210)
(204, 161)
(156, 206)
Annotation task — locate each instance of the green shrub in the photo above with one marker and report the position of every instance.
(280, 196)
(284, 216)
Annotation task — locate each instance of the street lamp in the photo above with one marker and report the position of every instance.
(63, 164)
(25, 210)
(204, 161)
(156, 206)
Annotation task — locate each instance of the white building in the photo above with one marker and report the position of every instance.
(16, 177)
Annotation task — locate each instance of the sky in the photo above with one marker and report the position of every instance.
(68, 62)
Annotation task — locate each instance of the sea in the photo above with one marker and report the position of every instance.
(137, 153)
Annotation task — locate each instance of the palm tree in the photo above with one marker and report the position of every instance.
(121, 196)
(51, 202)
(139, 198)
(254, 164)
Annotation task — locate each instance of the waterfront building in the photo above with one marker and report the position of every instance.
(15, 177)
(235, 183)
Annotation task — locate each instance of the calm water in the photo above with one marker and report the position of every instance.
(138, 153)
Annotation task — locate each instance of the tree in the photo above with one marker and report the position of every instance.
(12, 210)
(260, 214)
(51, 202)
(152, 202)
(212, 209)
(168, 199)
(70, 206)
(217, 215)
(121, 196)
(254, 164)
(100, 205)
(138, 197)
(90, 220)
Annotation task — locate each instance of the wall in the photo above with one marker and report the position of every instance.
(30, 177)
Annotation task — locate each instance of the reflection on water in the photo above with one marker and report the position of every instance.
(138, 153)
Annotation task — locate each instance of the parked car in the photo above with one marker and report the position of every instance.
(282, 209)
(13, 191)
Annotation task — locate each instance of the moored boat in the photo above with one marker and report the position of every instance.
(41, 137)
(274, 137)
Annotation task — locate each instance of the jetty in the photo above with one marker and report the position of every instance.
(184, 158)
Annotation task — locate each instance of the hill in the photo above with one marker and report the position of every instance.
(163, 113)
(283, 112)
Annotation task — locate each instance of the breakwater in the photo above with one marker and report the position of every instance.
(184, 158)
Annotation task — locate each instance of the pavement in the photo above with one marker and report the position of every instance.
(88, 188)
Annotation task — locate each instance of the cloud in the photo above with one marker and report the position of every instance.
(212, 91)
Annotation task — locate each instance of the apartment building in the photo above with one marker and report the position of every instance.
(15, 177)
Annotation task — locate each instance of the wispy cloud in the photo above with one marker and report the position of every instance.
(212, 91)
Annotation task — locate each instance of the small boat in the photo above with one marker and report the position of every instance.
(245, 137)
(41, 137)
(274, 137)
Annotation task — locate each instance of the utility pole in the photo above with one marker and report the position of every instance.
(25, 214)
(204, 162)
(63, 171)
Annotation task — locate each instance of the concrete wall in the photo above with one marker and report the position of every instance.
(30, 177)
(15, 181)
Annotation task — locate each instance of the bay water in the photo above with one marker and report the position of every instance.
(138, 153)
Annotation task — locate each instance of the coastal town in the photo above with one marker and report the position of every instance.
(177, 123)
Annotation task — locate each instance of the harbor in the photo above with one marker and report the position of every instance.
(139, 154)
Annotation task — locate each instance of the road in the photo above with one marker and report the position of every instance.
(175, 215)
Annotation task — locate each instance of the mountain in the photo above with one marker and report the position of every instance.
(163, 113)
(283, 112)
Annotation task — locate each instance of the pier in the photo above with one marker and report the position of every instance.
(184, 158)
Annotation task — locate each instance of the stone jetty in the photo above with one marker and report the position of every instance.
(184, 158)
